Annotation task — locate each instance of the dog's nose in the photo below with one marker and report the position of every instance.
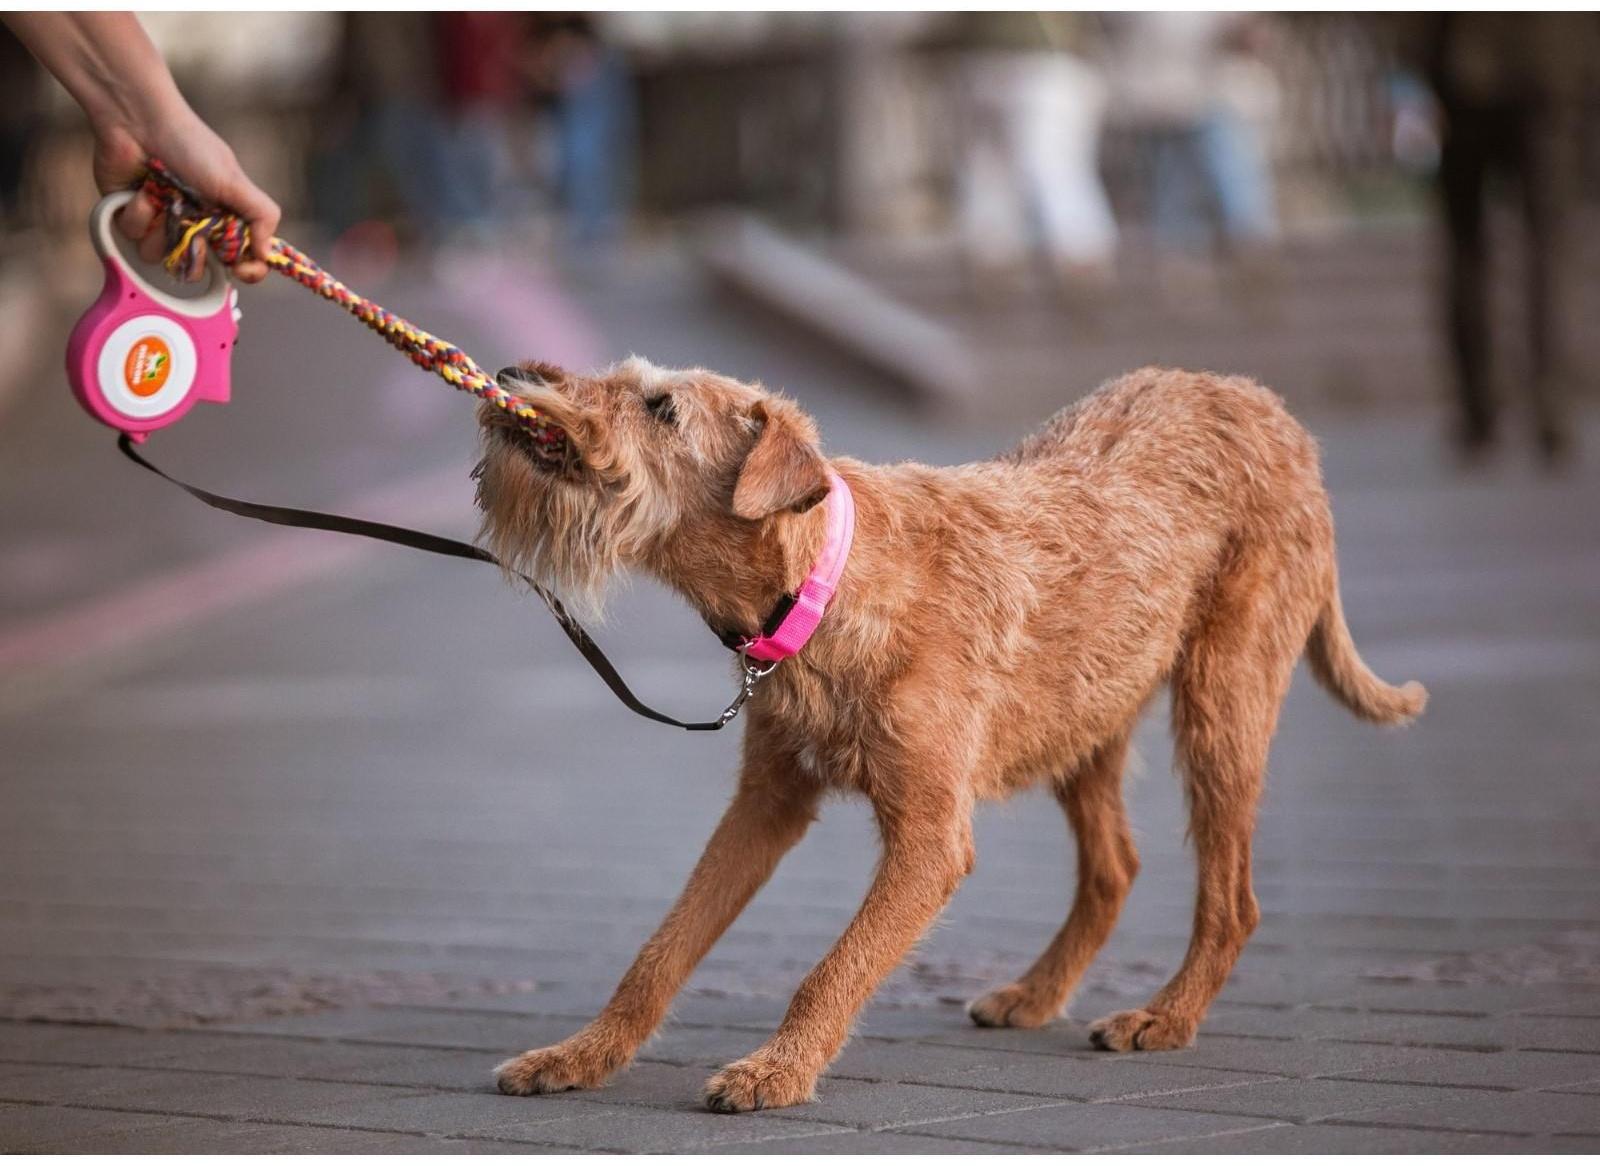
(510, 373)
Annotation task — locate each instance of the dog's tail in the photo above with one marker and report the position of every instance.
(1339, 668)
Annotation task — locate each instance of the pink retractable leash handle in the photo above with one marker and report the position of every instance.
(140, 357)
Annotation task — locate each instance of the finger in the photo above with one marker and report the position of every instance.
(153, 245)
(263, 215)
(136, 219)
(250, 270)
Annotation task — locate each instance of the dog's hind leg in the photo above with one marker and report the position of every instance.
(1226, 691)
(1107, 864)
(769, 814)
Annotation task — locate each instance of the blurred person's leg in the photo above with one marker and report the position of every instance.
(595, 133)
(1547, 140)
(478, 161)
(988, 194)
(1058, 138)
(1241, 176)
(1463, 174)
(339, 170)
(412, 149)
(1181, 221)
(24, 307)
(1178, 201)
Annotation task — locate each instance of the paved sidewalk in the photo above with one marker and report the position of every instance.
(342, 794)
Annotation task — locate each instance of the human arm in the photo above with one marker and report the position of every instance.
(110, 67)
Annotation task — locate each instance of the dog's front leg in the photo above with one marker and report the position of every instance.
(927, 852)
(769, 814)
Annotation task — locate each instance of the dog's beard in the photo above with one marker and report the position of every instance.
(569, 533)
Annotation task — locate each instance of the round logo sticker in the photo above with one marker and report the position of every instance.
(148, 364)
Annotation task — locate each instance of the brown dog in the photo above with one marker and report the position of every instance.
(998, 625)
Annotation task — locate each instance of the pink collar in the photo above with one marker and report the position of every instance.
(798, 617)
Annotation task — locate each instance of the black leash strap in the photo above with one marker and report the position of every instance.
(439, 545)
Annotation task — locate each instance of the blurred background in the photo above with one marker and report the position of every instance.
(245, 771)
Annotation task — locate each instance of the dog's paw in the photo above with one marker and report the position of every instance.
(1124, 1032)
(567, 1065)
(758, 1083)
(1010, 1007)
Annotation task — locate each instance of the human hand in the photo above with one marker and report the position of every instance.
(114, 72)
(174, 133)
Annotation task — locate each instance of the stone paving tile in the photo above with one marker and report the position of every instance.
(1580, 1002)
(576, 1000)
(914, 1023)
(885, 1105)
(1305, 1100)
(700, 1046)
(1078, 1079)
(1309, 1023)
(40, 1127)
(191, 1135)
(1061, 1038)
(1462, 999)
(577, 1122)
(1525, 1113)
(1301, 1058)
(1341, 1139)
(1540, 1033)
(462, 1072)
(500, 1034)
(644, 1083)
(885, 1142)
(83, 1044)
(62, 1084)
(202, 1094)
(1076, 1126)
(764, 1013)
(1513, 1070)
(447, 1114)
(1291, 990)
(319, 1059)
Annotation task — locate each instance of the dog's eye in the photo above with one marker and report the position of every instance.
(663, 409)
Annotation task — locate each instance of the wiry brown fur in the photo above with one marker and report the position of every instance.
(999, 625)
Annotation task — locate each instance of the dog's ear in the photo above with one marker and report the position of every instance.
(784, 469)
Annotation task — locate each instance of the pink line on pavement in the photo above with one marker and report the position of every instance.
(522, 310)
(197, 591)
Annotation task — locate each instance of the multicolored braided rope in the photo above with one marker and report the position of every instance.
(189, 222)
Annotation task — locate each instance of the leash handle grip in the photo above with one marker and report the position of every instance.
(140, 357)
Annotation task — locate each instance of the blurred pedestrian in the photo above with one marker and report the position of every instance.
(479, 57)
(1511, 88)
(1031, 107)
(108, 65)
(383, 140)
(20, 118)
(1201, 102)
(589, 91)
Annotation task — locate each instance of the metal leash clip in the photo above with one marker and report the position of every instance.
(753, 674)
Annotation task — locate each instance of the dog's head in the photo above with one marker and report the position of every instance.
(662, 469)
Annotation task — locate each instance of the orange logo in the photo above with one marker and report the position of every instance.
(148, 364)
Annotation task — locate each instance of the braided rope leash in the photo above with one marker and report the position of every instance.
(190, 222)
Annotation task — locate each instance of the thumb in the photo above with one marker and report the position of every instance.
(262, 214)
